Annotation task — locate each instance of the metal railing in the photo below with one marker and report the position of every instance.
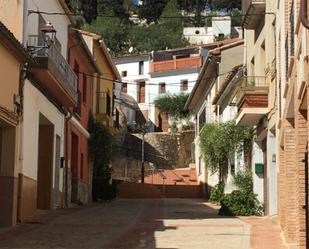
(254, 82)
(103, 105)
(38, 50)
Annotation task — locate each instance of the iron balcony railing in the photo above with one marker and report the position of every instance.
(53, 54)
(254, 82)
(251, 85)
(103, 105)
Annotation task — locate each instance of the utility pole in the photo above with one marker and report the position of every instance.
(143, 158)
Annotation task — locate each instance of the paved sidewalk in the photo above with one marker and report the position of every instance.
(131, 224)
(265, 233)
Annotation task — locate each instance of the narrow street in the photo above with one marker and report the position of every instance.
(123, 224)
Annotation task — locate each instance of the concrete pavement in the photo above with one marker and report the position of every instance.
(126, 224)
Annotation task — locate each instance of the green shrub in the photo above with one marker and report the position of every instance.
(100, 152)
(242, 201)
(217, 193)
(243, 181)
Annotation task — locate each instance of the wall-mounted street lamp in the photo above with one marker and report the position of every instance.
(48, 33)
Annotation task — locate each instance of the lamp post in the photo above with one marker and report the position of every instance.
(142, 130)
(143, 157)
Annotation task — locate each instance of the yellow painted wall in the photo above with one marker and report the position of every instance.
(103, 85)
(9, 78)
(11, 15)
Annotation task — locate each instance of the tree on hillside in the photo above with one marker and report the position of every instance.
(119, 8)
(151, 10)
(89, 8)
(167, 33)
(224, 4)
(114, 30)
(171, 17)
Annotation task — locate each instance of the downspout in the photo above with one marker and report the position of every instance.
(22, 78)
(25, 23)
(304, 13)
(67, 115)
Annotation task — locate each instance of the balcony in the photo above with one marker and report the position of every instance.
(103, 108)
(183, 63)
(53, 72)
(251, 100)
(253, 11)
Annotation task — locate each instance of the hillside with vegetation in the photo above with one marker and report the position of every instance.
(160, 25)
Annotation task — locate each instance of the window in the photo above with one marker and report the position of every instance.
(76, 70)
(292, 30)
(162, 88)
(81, 166)
(141, 92)
(184, 85)
(84, 88)
(78, 108)
(287, 57)
(202, 119)
(124, 87)
(141, 68)
(117, 125)
(124, 73)
(108, 104)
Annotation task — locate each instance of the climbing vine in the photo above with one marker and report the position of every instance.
(219, 141)
(100, 155)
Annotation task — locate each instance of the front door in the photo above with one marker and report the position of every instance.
(74, 167)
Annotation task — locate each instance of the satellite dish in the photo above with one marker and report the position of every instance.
(131, 50)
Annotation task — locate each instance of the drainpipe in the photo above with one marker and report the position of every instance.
(67, 115)
(25, 23)
(304, 13)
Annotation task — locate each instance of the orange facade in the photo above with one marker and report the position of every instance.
(77, 136)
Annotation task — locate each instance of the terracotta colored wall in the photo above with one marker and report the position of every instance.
(78, 54)
(82, 149)
(191, 62)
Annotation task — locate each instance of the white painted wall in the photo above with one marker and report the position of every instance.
(133, 77)
(272, 174)
(60, 22)
(221, 25)
(198, 35)
(34, 104)
(258, 179)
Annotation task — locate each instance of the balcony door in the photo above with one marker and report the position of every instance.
(141, 92)
(74, 167)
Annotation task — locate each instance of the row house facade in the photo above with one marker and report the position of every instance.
(13, 57)
(105, 85)
(217, 71)
(149, 76)
(47, 84)
(268, 92)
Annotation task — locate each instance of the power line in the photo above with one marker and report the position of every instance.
(150, 83)
(164, 17)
